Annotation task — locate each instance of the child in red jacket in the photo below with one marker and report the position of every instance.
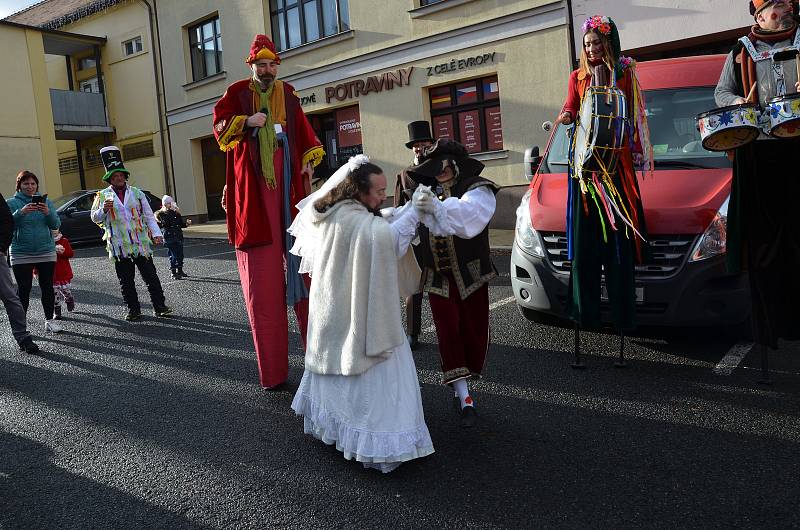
(62, 278)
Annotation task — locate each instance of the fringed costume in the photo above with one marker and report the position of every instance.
(263, 184)
(605, 221)
(129, 229)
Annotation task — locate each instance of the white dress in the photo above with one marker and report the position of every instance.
(375, 417)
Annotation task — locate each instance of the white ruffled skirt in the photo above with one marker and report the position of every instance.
(375, 418)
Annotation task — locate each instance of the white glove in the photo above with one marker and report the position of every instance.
(423, 200)
(60, 249)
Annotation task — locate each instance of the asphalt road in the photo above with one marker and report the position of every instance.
(162, 424)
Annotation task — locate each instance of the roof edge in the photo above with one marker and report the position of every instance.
(81, 36)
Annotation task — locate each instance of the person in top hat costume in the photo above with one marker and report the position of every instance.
(763, 235)
(419, 137)
(271, 154)
(454, 254)
(129, 230)
(605, 219)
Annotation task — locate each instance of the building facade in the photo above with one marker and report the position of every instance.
(103, 81)
(668, 28)
(485, 72)
(27, 132)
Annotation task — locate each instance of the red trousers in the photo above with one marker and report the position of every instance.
(262, 272)
(462, 327)
(264, 290)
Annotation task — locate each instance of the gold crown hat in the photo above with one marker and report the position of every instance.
(112, 161)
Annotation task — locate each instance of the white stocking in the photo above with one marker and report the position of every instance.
(462, 391)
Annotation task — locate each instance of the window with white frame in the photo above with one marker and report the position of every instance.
(90, 85)
(205, 44)
(297, 22)
(134, 45)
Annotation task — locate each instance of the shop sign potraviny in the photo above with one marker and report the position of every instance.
(373, 83)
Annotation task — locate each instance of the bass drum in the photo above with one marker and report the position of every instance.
(600, 131)
(784, 116)
(728, 128)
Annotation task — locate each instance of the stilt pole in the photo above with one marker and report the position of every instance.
(578, 364)
(764, 379)
(621, 362)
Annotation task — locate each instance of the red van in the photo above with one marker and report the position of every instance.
(684, 281)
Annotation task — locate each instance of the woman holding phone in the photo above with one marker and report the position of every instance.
(32, 246)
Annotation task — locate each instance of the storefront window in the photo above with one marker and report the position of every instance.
(340, 133)
(469, 112)
(296, 22)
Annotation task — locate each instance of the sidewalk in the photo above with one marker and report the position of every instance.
(498, 239)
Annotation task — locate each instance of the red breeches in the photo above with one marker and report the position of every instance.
(462, 327)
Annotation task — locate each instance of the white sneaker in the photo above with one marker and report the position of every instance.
(53, 326)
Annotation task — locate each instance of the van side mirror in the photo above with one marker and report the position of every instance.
(69, 211)
(531, 160)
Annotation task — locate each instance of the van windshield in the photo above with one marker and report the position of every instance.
(673, 132)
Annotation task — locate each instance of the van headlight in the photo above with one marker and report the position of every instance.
(527, 238)
(714, 240)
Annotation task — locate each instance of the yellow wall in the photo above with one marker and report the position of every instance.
(27, 137)
(532, 88)
(392, 25)
(532, 71)
(239, 22)
(130, 89)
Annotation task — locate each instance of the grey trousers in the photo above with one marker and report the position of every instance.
(8, 293)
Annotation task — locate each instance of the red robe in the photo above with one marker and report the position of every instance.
(248, 225)
(255, 215)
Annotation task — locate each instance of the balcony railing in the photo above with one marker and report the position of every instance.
(78, 114)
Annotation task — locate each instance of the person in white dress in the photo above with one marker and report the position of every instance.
(359, 389)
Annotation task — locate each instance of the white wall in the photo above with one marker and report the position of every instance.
(648, 22)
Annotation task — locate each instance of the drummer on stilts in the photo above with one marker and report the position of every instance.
(763, 234)
(605, 221)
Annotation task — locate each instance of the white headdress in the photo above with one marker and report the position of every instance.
(304, 231)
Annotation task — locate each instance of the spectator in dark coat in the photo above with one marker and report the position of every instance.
(172, 225)
(8, 293)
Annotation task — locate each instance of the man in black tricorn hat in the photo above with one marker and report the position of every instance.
(454, 254)
(419, 137)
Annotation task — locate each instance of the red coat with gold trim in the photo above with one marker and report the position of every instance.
(248, 225)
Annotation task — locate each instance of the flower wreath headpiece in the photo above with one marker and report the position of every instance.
(601, 24)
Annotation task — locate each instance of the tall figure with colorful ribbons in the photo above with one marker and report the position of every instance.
(763, 227)
(130, 230)
(272, 151)
(605, 222)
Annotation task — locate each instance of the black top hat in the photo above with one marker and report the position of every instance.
(112, 161)
(444, 152)
(419, 131)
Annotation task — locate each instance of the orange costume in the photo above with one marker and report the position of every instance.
(260, 199)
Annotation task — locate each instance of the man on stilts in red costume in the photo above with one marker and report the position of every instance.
(272, 151)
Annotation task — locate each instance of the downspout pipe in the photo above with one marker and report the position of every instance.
(573, 60)
(166, 146)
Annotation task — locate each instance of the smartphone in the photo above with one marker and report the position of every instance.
(37, 199)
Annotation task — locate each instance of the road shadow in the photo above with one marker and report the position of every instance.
(35, 493)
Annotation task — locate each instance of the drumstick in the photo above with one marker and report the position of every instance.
(750, 94)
